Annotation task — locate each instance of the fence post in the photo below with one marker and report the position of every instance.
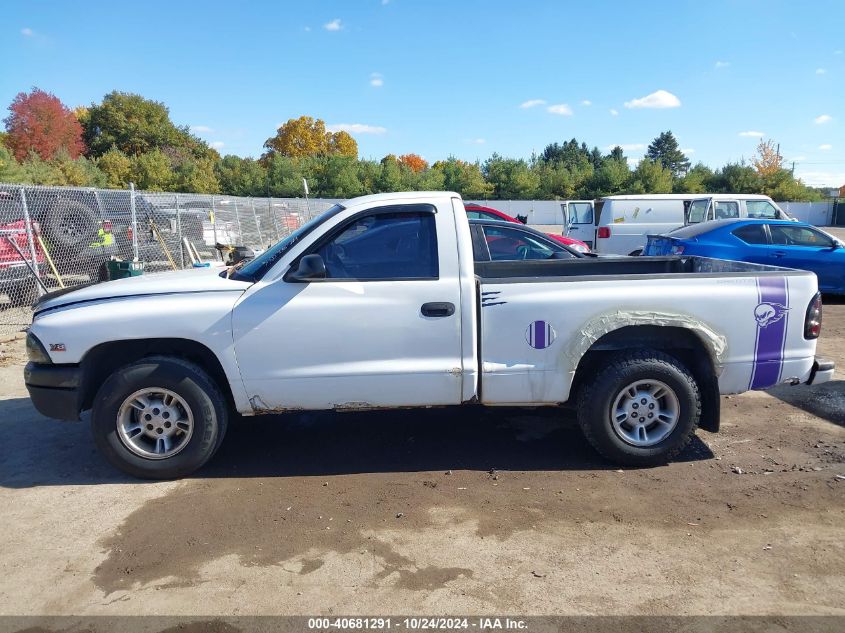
(179, 233)
(272, 215)
(257, 225)
(213, 219)
(134, 217)
(240, 230)
(31, 242)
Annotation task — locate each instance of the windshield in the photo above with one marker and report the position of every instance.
(256, 268)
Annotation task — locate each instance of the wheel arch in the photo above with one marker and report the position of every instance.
(692, 347)
(103, 360)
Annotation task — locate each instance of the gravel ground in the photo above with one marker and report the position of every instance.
(434, 512)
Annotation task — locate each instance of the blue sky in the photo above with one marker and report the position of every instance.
(462, 77)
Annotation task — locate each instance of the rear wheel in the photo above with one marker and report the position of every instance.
(159, 418)
(69, 226)
(641, 409)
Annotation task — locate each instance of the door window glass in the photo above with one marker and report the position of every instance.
(784, 235)
(508, 244)
(761, 209)
(751, 234)
(725, 209)
(383, 246)
(697, 211)
(580, 213)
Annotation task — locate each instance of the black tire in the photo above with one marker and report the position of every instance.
(22, 293)
(596, 401)
(69, 226)
(189, 382)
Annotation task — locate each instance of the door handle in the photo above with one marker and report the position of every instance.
(438, 309)
(778, 253)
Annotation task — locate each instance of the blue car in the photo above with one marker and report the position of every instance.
(773, 242)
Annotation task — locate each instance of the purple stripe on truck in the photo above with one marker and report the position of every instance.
(772, 316)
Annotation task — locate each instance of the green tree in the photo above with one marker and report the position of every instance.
(650, 177)
(464, 178)
(611, 178)
(736, 178)
(696, 180)
(116, 167)
(339, 178)
(152, 171)
(10, 169)
(241, 176)
(196, 175)
(665, 150)
(510, 178)
(134, 125)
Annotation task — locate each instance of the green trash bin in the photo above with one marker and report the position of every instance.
(119, 269)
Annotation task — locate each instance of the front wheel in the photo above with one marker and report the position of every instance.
(641, 409)
(159, 418)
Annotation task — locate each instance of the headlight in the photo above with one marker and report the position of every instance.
(35, 351)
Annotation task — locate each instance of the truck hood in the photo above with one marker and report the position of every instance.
(173, 282)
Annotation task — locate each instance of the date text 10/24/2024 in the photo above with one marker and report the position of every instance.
(417, 623)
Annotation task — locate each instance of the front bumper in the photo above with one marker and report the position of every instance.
(822, 371)
(55, 390)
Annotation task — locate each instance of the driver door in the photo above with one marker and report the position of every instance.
(382, 329)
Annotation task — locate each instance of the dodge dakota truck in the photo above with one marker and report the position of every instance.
(378, 303)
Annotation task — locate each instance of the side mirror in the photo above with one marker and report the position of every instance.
(311, 267)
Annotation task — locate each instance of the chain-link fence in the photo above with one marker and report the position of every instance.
(57, 237)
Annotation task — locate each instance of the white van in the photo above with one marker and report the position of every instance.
(620, 224)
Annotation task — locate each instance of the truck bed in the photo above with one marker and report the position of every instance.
(566, 269)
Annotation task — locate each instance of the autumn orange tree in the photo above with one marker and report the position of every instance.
(414, 162)
(39, 122)
(306, 136)
(768, 160)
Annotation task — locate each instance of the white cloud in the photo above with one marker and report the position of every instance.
(307, 29)
(614, 112)
(376, 80)
(532, 103)
(753, 134)
(821, 178)
(334, 25)
(560, 108)
(796, 159)
(688, 151)
(384, 2)
(633, 161)
(659, 99)
(627, 147)
(722, 64)
(356, 128)
(821, 71)
(822, 119)
(218, 144)
(825, 147)
(476, 141)
(27, 32)
(201, 129)
(586, 102)
(837, 52)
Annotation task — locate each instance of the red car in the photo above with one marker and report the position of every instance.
(477, 212)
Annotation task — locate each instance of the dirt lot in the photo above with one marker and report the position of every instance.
(434, 512)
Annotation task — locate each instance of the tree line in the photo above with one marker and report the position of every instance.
(127, 138)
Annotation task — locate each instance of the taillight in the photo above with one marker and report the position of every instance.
(107, 226)
(813, 320)
(604, 231)
(678, 249)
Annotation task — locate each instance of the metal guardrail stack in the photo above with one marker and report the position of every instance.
(55, 237)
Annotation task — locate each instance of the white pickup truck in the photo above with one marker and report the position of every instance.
(380, 303)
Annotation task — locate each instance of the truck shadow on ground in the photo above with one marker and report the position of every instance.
(42, 452)
(826, 401)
